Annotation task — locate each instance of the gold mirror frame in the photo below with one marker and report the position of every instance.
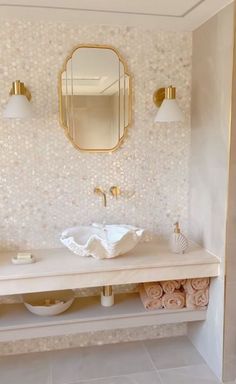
(126, 72)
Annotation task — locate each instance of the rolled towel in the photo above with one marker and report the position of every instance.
(177, 284)
(148, 303)
(175, 300)
(182, 282)
(153, 290)
(199, 299)
(201, 283)
(193, 285)
(188, 287)
(170, 286)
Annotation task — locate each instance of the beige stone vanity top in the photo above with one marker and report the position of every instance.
(61, 269)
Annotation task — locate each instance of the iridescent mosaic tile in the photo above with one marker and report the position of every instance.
(47, 185)
(92, 338)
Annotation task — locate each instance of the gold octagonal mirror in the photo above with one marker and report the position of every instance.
(95, 98)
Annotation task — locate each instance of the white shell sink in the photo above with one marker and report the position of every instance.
(101, 241)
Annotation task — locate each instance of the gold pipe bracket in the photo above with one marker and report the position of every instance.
(107, 290)
(19, 88)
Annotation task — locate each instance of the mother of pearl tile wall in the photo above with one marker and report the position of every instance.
(45, 184)
(92, 338)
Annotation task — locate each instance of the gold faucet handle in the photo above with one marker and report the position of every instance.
(115, 191)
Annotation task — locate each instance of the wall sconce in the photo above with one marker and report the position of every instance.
(165, 100)
(18, 106)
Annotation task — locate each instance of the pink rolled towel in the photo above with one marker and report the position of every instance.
(201, 283)
(175, 300)
(199, 299)
(153, 290)
(170, 286)
(193, 285)
(148, 303)
(188, 287)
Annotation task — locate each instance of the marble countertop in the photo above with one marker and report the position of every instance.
(61, 269)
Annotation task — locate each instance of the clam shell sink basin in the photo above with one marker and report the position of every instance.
(101, 241)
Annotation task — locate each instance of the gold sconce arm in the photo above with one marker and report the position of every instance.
(19, 88)
(160, 94)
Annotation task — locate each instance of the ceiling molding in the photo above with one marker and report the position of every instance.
(193, 13)
(30, 6)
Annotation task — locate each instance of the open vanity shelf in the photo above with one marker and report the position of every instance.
(87, 315)
(58, 269)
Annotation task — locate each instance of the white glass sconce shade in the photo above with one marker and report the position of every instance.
(18, 106)
(169, 111)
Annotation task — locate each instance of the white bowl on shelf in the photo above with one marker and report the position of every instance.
(48, 303)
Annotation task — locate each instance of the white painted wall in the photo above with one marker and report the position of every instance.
(229, 367)
(211, 102)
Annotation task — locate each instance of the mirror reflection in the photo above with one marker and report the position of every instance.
(94, 94)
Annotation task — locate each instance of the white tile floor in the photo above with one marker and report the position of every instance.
(163, 361)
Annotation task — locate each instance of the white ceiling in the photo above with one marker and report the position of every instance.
(160, 14)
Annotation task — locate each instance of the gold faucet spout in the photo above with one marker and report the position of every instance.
(99, 191)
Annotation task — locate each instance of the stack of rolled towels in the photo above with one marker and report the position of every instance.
(175, 294)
